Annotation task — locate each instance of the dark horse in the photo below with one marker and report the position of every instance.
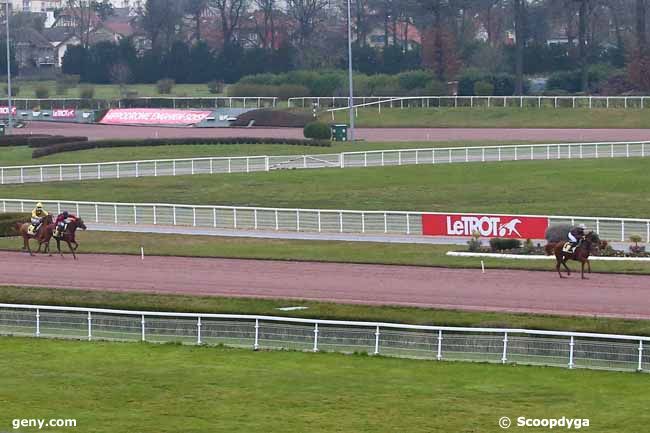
(581, 254)
(40, 235)
(68, 236)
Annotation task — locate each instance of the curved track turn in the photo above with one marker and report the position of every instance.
(496, 290)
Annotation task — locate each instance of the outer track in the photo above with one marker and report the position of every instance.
(496, 290)
(376, 134)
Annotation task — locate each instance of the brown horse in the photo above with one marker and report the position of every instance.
(581, 254)
(40, 234)
(68, 236)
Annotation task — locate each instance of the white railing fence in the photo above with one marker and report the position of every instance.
(499, 345)
(401, 102)
(144, 102)
(373, 158)
(293, 220)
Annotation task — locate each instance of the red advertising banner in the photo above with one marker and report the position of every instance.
(488, 226)
(5, 110)
(64, 114)
(153, 116)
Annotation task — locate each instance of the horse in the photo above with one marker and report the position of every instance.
(23, 228)
(68, 236)
(580, 254)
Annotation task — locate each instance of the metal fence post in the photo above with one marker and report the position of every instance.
(622, 230)
(198, 330)
(256, 345)
(439, 354)
(115, 212)
(38, 322)
(174, 214)
(377, 341)
(571, 344)
(504, 357)
(90, 330)
(142, 323)
(640, 368)
(316, 337)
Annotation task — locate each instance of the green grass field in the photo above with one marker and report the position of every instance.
(112, 91)
(110, 387)
(588, 188)
(22, 155)
(327, 251)
(497, 118)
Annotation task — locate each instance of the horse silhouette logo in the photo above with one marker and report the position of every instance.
(510, 228)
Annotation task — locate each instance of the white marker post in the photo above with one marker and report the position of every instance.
(482, 267)
(142, 253)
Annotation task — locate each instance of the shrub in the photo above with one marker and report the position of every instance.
(215, 87)
(86, 92)
(98, 144)
(557, 233)
(165, 86)
(36, 140)
(414, 80)
(42, 92)
(483, 88)
(475, 243)
(500, 244)
(8, 223)
(283, 91)
(318, 131)
(435, 88)
(528, 246)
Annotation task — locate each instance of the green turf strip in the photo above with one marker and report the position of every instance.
(586, 188)
(109, 387)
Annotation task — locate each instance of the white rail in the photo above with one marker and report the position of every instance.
(145, 102)
(374, 158)
(499, 345)
(402, 102)
(293, 220)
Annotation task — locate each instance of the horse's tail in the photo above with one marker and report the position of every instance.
(549, 249)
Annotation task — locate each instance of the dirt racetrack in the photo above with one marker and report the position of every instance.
(496, 290)
(94, 132)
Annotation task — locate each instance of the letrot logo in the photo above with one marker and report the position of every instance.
(485, 225)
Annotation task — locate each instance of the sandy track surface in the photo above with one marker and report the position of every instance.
(370, 134)
(496, 290)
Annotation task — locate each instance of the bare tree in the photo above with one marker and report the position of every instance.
(84, 16)
(519, 46)
(230, 14)
(641, 26)
(308, 14)
(195, 9)
(161, 20)
(266, 29)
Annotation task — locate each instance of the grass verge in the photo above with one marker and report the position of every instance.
(22, 155)
(602, 188)
(171, 388)
(497, 118)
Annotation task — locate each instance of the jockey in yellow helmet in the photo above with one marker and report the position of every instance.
(37, 218)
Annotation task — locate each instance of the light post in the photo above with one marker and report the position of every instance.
(351, 98)
(9, 123)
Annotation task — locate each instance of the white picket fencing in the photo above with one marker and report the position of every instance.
(293, 220)
(373, 158)
(401, 102)
(144, 102)
(497, 345)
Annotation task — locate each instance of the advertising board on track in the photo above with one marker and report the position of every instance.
(488, 226)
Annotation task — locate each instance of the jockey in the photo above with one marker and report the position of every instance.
(37, 218)
(576, 235)
(62, 221)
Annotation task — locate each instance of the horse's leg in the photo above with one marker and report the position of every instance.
(558, 260)
(582, 273)
(29, 248)
(589, 266)
(564, 260)
(74, 256)
(58, 247)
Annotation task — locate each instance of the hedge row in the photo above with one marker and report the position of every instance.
(84, 145)
(275, 118)
(37, 140)
(8, 223)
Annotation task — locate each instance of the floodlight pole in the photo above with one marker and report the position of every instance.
(9, 105)
(351, 98)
